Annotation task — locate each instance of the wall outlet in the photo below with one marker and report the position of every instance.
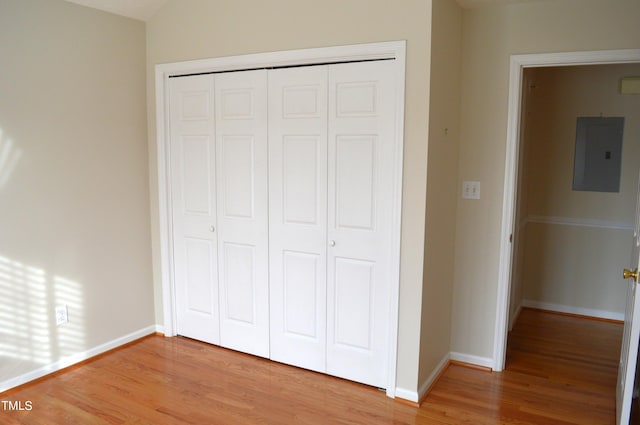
(62, 315)
(470, 190)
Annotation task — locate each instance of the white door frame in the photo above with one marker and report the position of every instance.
(395, 50)
(518, 63)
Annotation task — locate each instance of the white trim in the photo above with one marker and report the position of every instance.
(560, 308)
(517, 64)
(473, 360)
(348, 53)
(387, 50)
(164, 203)
(508, 216)
(75, 359)
(407, 395)
(580, 222)
(396, 220)
(596, 57)
(431, 379)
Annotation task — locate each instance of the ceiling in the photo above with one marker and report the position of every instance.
(145, 9)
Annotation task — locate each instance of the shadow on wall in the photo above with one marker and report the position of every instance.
(29, 336)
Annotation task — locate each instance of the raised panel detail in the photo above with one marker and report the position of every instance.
(199, 276)
(300, 102)
(237, 104)
(300, 179)
(237, 176)
(195, 105)
(300, 293)
(353, 302)
(196, 175)
(356, 99)
(355, 181)
(239, 281)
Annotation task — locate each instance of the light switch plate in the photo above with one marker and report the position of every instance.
(470, 190)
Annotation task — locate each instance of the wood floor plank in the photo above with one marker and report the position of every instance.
(560, 371)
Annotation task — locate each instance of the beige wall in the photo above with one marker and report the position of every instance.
(442, 186)
(184, 30)
(490, 35)
(74, 207)
(576, 266)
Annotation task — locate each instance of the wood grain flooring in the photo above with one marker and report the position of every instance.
(564, 375)
(560, 370)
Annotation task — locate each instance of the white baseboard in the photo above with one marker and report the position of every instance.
(473, 360)
(431, 379)
(407, 394)
(75, 358)
(601, 314)
(160, 329)
(416, 396)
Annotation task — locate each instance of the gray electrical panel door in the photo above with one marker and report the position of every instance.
(598, 156)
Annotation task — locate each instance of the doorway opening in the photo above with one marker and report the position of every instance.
(516, 128)
(570, 243)
(509, 293)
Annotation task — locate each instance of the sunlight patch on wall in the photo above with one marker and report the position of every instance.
(29, 336)
(24, 333)
(9, 156)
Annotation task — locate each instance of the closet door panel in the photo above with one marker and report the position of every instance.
(300, 168)
(355, 174)
(238, 190)
(354, 288)
(238, 269)
(242, 208)
(198, 291)
(360, 143)
(300, 290)
(192, 155)
(297, 215)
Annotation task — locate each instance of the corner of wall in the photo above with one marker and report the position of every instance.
(442, 190)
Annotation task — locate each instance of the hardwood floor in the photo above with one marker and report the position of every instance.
(563, 377)
(570, 350)
(560, 370)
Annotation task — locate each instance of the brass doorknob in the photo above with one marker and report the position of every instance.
(630, 274)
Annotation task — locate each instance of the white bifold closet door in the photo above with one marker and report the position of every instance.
(362, 101)
(282, 202)
(243, 250)
(193, 205)
(331, 137)
(298, 215)
(220, 206)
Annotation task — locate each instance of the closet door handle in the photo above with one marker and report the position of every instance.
(332, 243)
(212, 228)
